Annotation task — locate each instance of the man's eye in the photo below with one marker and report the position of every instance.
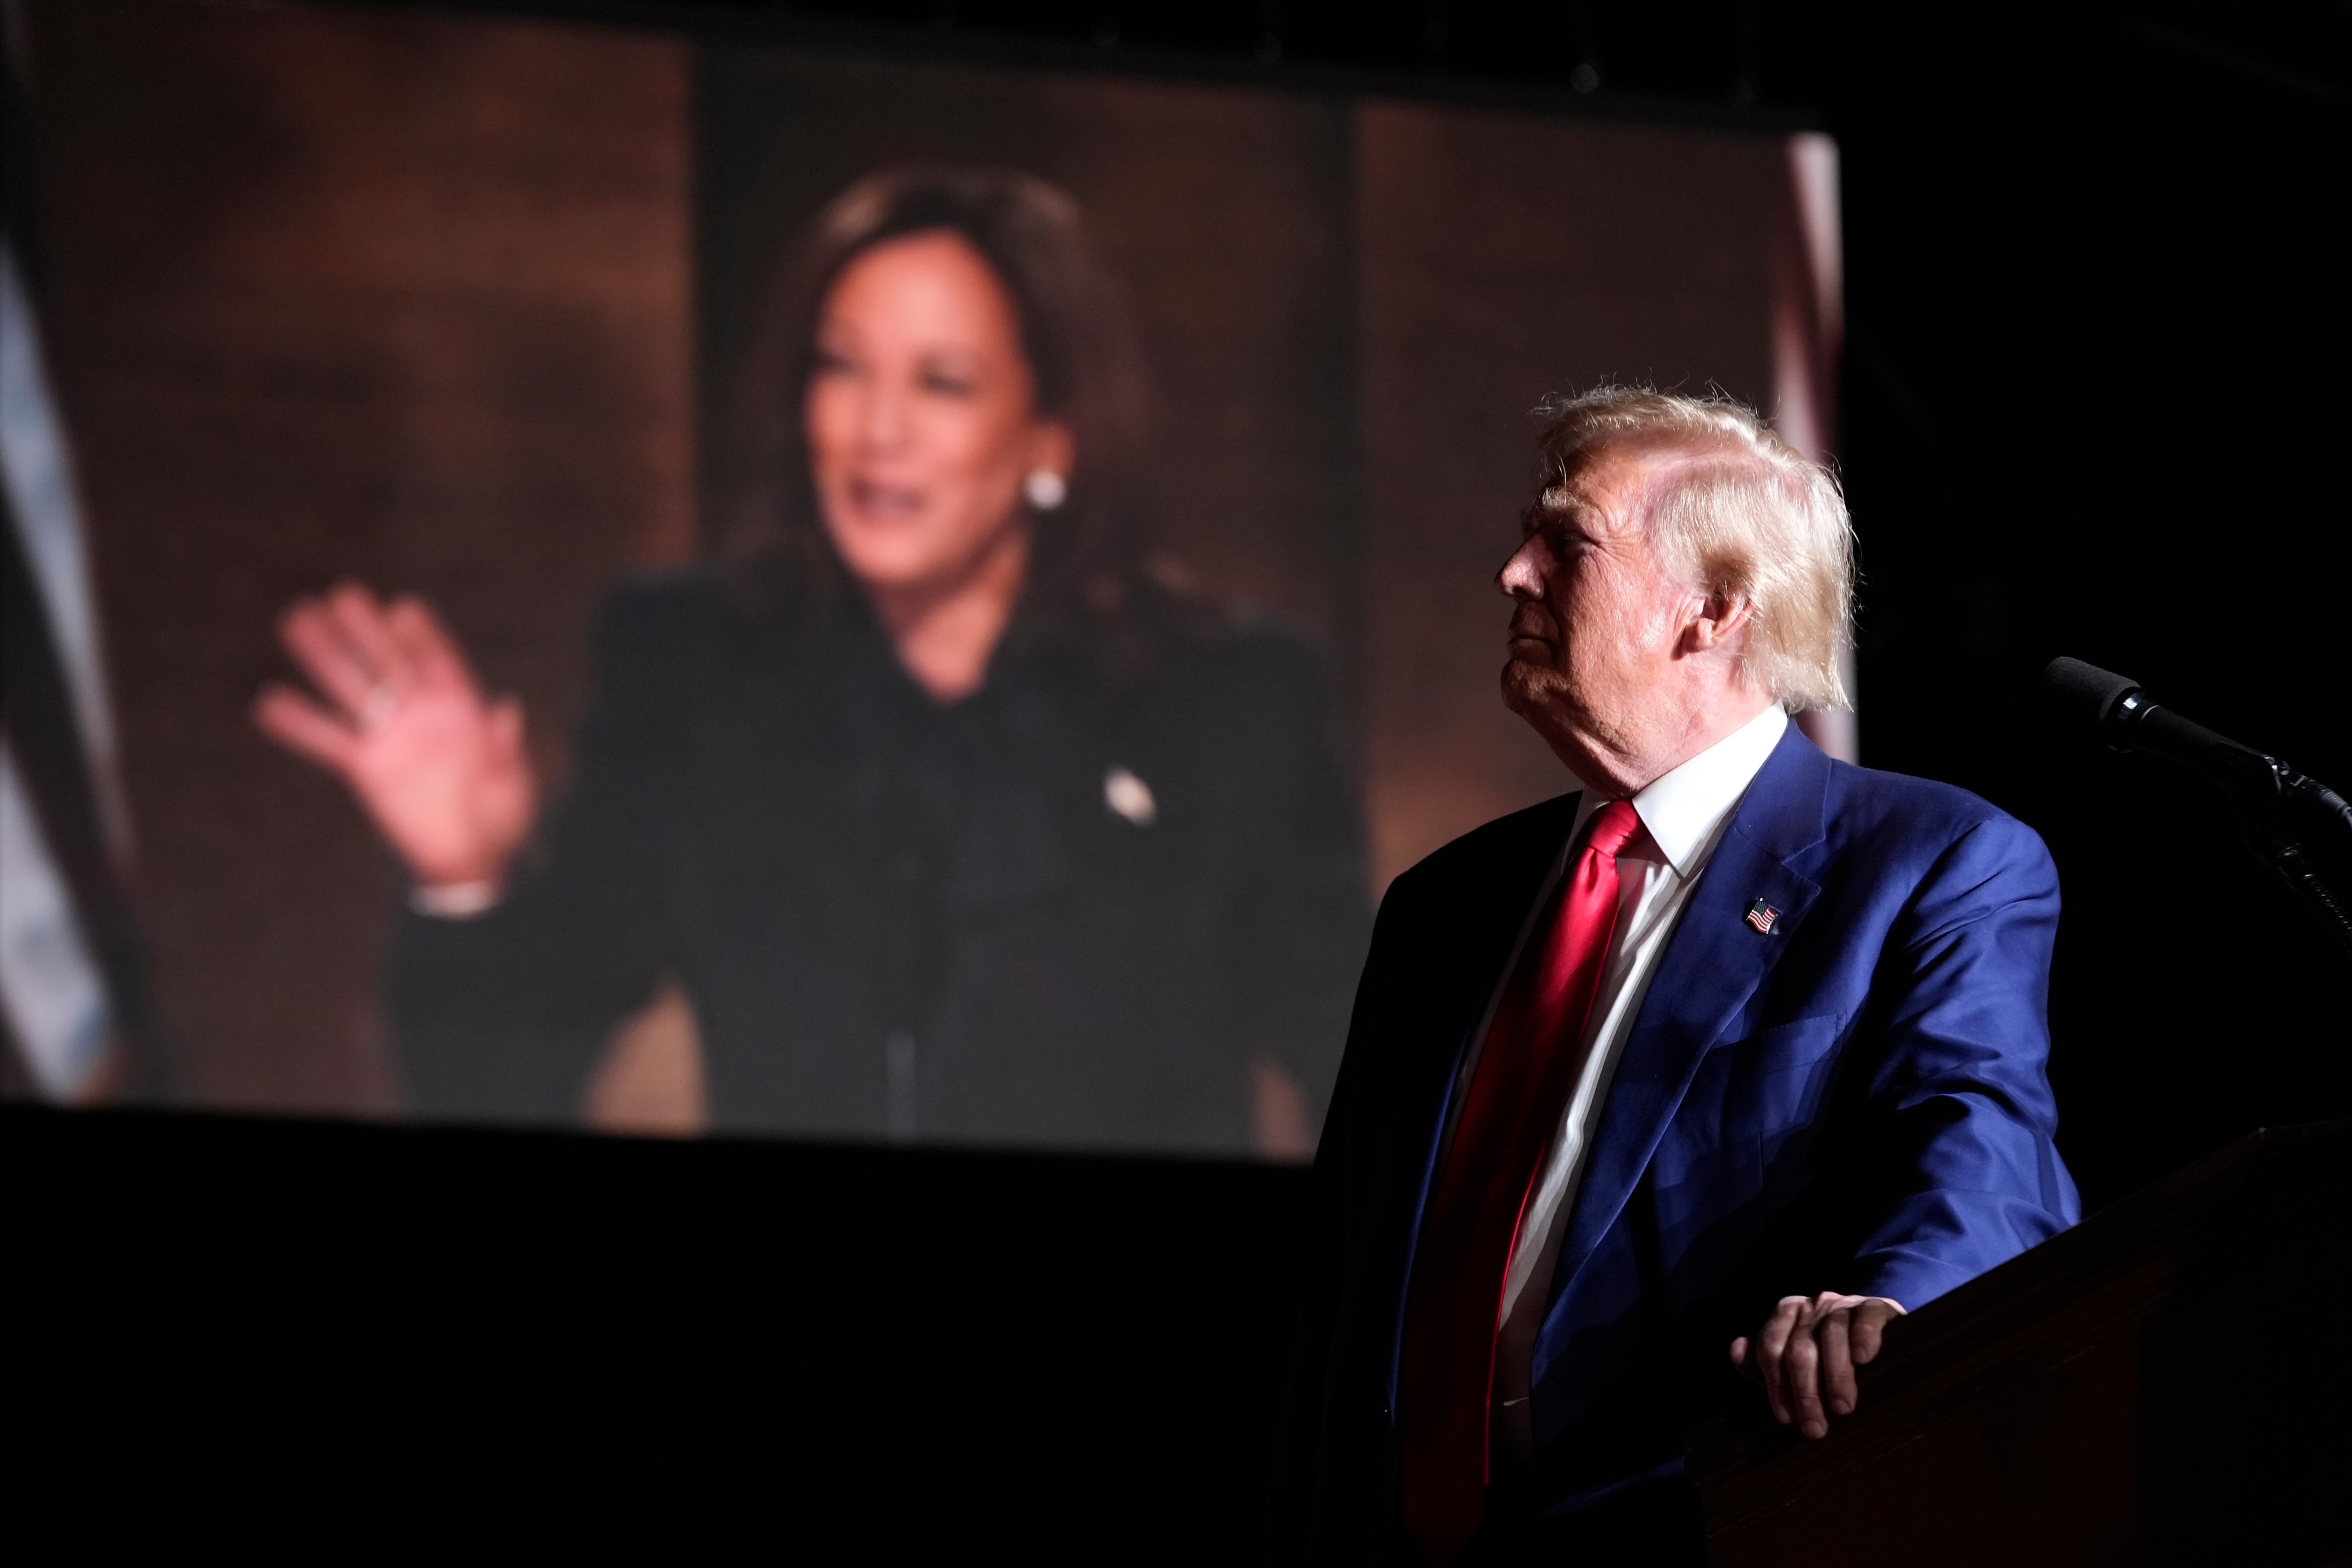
(1541, 521)
(947, 383)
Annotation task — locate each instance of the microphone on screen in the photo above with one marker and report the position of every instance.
(2113, 708)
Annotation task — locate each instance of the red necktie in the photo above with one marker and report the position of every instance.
(1446, 1371)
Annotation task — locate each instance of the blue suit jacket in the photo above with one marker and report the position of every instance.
(1856, 1102)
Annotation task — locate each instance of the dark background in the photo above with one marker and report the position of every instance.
(2096, 335)
(346, 1342)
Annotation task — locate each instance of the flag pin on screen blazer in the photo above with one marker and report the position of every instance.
(1762, 915)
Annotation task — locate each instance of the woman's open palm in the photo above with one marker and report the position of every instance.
(440, 768)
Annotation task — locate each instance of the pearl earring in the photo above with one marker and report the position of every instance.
(1045, 489)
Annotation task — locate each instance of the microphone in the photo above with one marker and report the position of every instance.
(2113, 708)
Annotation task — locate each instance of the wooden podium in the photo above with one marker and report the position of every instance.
(2170, 1382)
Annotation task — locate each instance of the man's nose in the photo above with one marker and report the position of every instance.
(1520, 578)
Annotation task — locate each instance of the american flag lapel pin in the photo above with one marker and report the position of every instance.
(1763, 917)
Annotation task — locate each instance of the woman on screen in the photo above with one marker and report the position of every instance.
(951, 819)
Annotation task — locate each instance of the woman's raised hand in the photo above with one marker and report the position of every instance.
(440, 768)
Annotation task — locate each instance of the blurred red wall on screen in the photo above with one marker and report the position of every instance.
(395, 297)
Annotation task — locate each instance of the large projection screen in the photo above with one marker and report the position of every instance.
(463, 308)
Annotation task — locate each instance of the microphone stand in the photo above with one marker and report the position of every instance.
(2277, 808)
(2276, 804)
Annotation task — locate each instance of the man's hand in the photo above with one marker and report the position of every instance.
(1810, 1342)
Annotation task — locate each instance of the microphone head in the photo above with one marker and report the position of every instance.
(2084, 692)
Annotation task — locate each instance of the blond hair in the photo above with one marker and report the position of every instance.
(1746, 516)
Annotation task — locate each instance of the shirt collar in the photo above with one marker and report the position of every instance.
(1682, 809)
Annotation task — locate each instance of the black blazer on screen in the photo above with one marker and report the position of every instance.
(828, 860)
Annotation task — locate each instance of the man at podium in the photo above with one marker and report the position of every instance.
(1725, 1057)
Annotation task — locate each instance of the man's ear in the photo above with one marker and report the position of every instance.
(1721, 620)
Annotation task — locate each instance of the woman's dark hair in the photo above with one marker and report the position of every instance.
(770, 542)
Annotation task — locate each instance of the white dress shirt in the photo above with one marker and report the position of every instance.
(1683, 814)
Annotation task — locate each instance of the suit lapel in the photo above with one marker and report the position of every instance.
(1482, 953)
(1713, 964)
(1514, 885)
